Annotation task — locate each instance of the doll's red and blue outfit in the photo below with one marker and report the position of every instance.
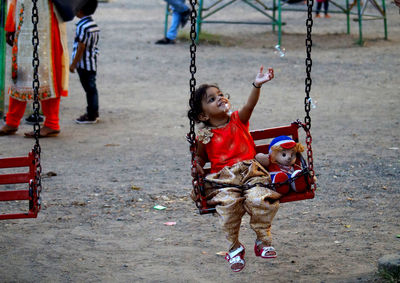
(281, 173)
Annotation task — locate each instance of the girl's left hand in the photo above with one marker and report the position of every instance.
(262, 78)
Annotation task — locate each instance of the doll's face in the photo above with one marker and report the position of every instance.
(286, 157)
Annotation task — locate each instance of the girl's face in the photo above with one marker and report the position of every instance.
(215, 105)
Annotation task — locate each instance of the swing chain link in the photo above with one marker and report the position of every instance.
(307, 101)
(197, 181)
(192, 82)
(36, 105)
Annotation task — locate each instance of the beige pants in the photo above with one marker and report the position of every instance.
(232, 203)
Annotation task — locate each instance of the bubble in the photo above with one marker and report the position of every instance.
(227, 108)
(313, 103)
(281, 51)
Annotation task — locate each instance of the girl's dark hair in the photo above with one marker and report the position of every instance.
(89, 8)
(195, 104)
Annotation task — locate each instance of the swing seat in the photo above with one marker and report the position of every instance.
(259, 136)
(291, 130)
(29, 178)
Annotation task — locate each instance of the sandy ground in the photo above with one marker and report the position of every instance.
(97, 222)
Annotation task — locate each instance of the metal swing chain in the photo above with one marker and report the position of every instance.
(197, 181)
(307, 99)
(192, 82)
(36, 104)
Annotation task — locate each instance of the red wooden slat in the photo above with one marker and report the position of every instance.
(262, 148)
(297, 196)
(14, 195)
(274, 132)
(13, 162)
(18, 215)
(17, 178)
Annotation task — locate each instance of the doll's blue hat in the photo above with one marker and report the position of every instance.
(283, 141)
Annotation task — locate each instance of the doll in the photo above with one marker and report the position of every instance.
(282, 164)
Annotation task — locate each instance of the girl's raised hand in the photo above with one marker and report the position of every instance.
(262, 78)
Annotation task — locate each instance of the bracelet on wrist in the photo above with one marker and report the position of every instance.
(256, 86)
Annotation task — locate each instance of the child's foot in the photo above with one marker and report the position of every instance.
(327, 16)
(264, 251)
(236, 259)
(318, 16)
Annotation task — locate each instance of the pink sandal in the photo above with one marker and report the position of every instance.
(265, 252)
(236, 259)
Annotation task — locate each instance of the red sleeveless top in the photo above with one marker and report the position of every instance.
(230, 144)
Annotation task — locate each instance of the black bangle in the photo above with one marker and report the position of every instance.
(256, 86)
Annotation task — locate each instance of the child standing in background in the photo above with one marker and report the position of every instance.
(84, 60)
(319, 6)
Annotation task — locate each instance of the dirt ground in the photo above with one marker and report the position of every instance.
(97, 222)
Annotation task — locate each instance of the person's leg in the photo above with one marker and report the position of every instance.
(16, 110)
(51, 111)
(262, 205)
(230, 209)
(319, 6)
(326, 6)
(180, 16)
(178, 6)
(88, 81)
(173, 29)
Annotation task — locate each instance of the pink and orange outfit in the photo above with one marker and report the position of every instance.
(53, 58)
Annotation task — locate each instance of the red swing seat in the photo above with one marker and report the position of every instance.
(291, 130)
(29, 178)
(258, 137)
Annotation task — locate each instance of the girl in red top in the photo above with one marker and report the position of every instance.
(226, 142)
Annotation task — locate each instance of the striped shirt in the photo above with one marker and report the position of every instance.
(87, 32)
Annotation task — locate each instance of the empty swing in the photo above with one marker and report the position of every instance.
(307, 169)
(33, 177)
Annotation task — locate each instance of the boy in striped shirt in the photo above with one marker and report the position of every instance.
(84, 60)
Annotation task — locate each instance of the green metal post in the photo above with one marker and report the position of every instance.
(273, 15)
(360, 40)
(166, 20)
(348, 16)
(279, 22)
(198, 20)
(384, 18)
(3, 10)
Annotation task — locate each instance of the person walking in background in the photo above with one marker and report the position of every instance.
(53, 67)
(319, 6)
(84, 60)
(180, 16)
